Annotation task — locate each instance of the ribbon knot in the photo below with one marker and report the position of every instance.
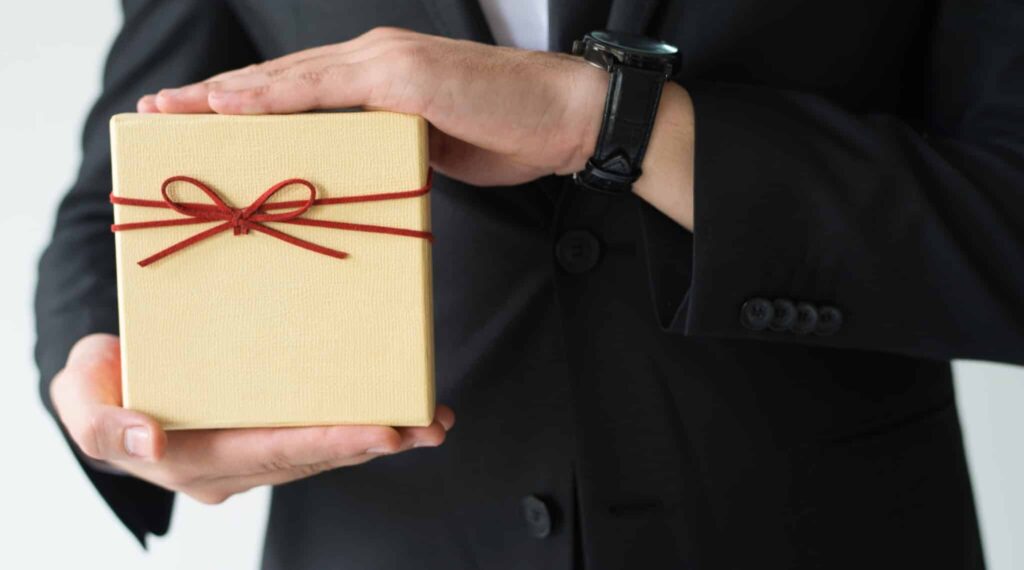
(255, 216)
(239, 223)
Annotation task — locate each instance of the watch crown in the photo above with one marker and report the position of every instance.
(577, 47)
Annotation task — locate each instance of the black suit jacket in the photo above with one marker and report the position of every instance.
(866, 155)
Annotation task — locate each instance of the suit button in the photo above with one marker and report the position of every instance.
(537, 515)
(806, 319)
(785, 315)
(756, 314)
(830, 319)
(577, 251)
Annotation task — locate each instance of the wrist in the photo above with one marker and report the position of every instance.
(667, 180)
(589, 90)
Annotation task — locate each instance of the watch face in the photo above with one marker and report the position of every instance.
(639, 45)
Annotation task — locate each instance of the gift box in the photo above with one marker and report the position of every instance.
(274, 270)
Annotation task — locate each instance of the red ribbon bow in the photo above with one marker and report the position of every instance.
(254, 217)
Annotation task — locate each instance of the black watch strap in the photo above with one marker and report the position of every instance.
(632, 103)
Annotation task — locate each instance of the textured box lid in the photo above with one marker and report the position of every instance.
(252, 331)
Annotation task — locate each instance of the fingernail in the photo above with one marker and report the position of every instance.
(170, 92)
(378, 450)
(137, 442)
(447, 425)
(424, 444)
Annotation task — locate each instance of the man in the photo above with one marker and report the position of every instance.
(741, 361)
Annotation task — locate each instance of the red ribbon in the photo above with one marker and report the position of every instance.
(254, 216)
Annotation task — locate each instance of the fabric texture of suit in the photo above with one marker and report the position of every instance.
(865, 155)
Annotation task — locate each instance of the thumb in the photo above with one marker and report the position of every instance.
(87, 396)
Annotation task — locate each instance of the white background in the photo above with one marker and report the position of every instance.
(50, 517)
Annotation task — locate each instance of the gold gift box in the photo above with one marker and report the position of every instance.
(249, 330)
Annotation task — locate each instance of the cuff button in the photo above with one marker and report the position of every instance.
(756, 314)
(806, 319)
(785, 315)
(830, 319)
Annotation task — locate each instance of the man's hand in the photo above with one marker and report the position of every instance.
(501, 116)
(209, 465)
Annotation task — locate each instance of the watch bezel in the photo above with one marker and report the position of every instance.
(604, 54)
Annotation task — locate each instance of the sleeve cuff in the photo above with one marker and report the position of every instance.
(142, 507)
(758, 235)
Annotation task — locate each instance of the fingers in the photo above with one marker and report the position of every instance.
(87, 396)
(94, 369)
(445, 416)
(187, 99)
(328, 86)
(194, 98)
(239, 452)
(147, 104)
(207, 454)
(215, 491)
(430, 436)
(209, 465)
(281, 470)
(113, 434)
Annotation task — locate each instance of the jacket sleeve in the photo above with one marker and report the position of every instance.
(163, 43)
(914, 233)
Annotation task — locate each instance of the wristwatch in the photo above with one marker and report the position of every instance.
(639, 67)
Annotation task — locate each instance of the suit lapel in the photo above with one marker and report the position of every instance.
(460, 19)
